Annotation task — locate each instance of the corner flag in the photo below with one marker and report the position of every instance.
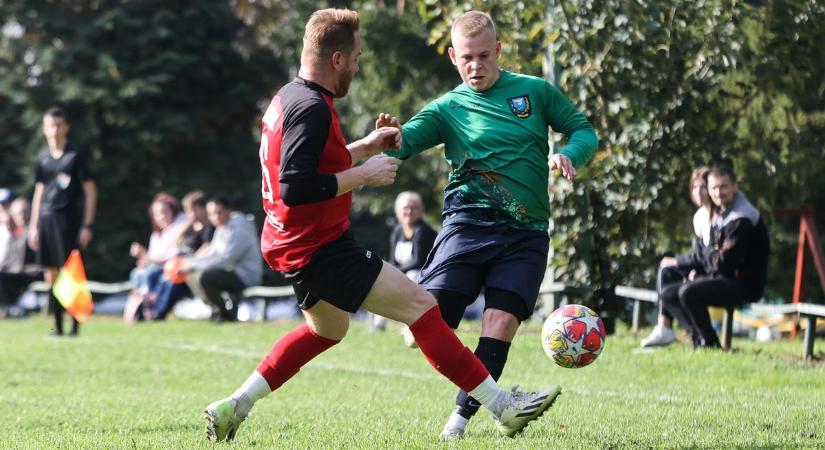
(70, 288)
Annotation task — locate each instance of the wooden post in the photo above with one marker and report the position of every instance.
(810, 333)
(808, 234)
(637, 315)
(727, 328)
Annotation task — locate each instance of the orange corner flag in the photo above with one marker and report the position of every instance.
(70, 288)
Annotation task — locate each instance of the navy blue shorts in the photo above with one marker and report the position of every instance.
(467, 257)
(341, 273)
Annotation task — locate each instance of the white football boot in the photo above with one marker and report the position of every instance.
(523, 408)
(221, 420)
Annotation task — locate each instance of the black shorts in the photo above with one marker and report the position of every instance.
(467, 257)
(340, 273)
(58, 237)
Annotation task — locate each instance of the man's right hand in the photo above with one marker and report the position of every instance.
(379, 170)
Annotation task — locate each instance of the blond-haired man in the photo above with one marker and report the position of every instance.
(494, 127)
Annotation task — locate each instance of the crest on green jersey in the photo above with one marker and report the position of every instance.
(520, 106)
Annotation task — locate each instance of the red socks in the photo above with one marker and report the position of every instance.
(290, 353)
(440, 346)
(446, 353)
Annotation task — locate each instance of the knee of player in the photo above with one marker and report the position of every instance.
(335, 330)
(423, 299)
(499, 318)
(415, 304)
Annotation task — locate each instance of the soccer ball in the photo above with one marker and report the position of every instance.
(573, 336)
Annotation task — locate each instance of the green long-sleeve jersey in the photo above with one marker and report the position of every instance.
(496, 142)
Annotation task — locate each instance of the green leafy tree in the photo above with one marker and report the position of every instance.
(772, 102)
(157, 93)
(666, 85)
(399, 73)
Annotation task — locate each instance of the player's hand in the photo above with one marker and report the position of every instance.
(84, 237)
(668, 261)
(387, 120)
(34, 239)
(381, 139)
(379, 170)
(563, 163)
(692, 274)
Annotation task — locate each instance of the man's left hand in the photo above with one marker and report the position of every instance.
(563, 163)
(387, 120)
(84, 237)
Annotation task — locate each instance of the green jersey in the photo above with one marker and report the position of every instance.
(496, 142)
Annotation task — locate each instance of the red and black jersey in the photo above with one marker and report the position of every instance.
(302, 148)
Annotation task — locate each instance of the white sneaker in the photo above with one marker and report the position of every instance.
(660, 336)
(454, 428)
(409, 339)
(221, 421)
(451, 434)
(523, 408)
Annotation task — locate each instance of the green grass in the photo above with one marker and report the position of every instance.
(145, 386)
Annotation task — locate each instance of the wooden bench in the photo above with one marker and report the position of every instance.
(268, 294)
(809, 311)
(639, 295)
(95, 287)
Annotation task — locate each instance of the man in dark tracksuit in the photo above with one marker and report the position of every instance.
(735, 262)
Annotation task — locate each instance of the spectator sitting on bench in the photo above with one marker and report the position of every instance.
(674, 271)
(17, 268)
(231, 263)
(735, 262)
(167, 224)
(192, 239)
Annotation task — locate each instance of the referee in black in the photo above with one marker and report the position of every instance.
(62, 176)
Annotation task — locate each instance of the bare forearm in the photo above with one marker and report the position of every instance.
(90, 204)
(359, 152)
(350, 179)
(36, 198)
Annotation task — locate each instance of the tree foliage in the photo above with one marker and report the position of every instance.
(168, 95)
(669, 85)
(156, 92)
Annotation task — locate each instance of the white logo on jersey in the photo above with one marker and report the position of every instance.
(270, 117)
(277, 224)
(63, 180)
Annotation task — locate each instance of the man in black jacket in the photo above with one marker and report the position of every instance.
(735, 261)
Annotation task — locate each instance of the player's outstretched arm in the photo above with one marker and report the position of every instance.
(384, 138)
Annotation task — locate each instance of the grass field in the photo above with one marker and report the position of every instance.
(145, 386)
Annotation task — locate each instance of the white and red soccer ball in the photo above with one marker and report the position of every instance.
(573, 336)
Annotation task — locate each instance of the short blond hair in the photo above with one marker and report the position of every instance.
(331, 30)
(473, 23)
